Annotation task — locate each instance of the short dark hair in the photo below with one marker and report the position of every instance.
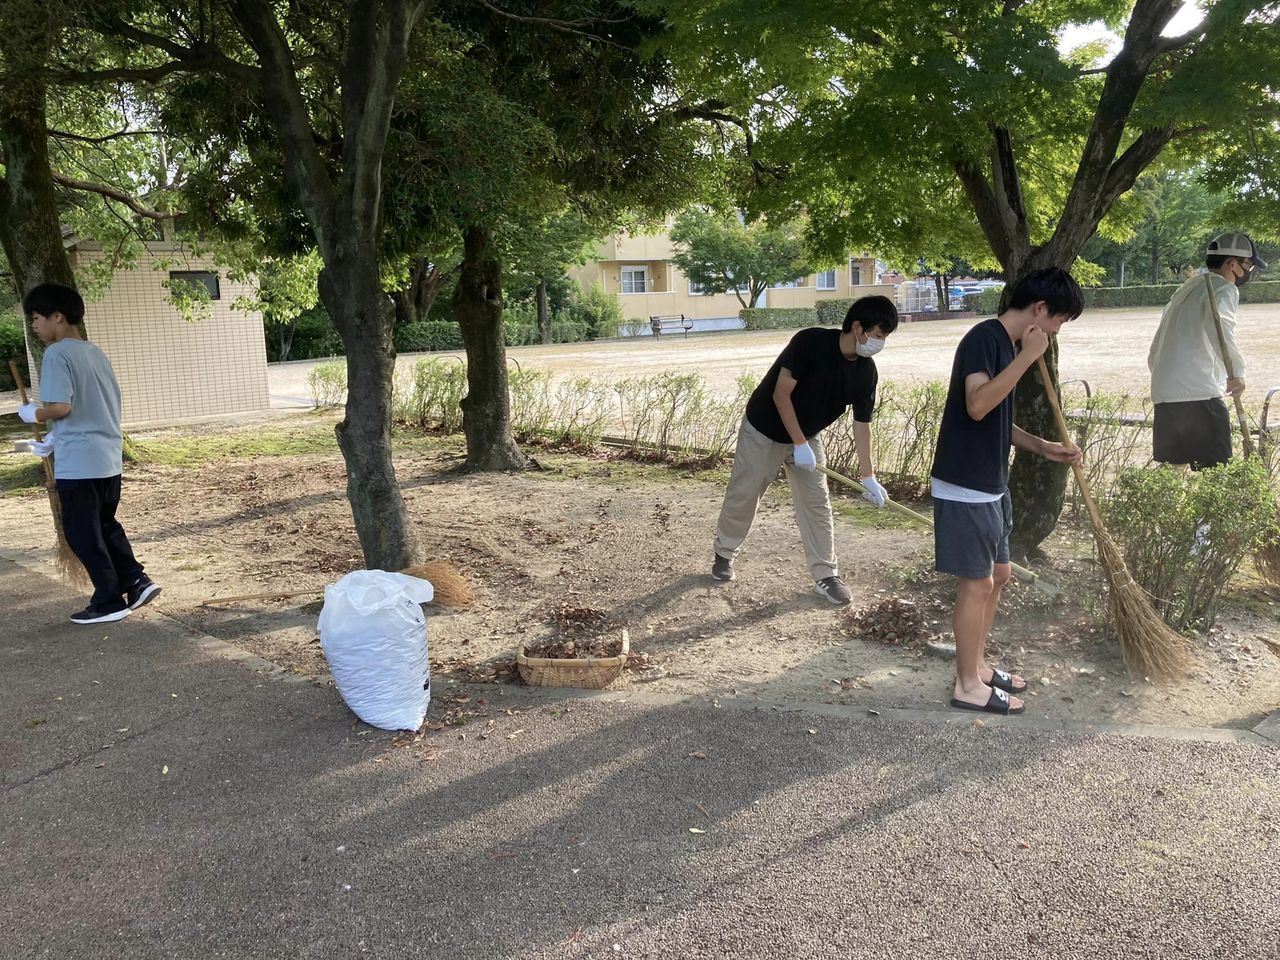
(47, 299)
(872, 313)
(1057, 288)
(1216, 261)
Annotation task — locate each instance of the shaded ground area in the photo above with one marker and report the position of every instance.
(632, 542)
(160, 801)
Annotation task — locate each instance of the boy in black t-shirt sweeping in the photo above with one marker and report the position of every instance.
(972, 512)
(818, 375)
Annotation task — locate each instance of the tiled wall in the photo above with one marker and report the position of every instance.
(170, 369)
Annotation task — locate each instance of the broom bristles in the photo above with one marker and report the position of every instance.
(1149, 645)
(451, 588)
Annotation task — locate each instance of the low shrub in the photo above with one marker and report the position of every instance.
(985, 302)
(1185, 534)
(327, 383)
(778, 318)
(1263, 291)
(428, 335)
(431, 396)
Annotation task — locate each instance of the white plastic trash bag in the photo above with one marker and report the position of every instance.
(374, 636)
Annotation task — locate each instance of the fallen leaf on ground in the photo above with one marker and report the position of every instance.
(697, 755)
(696, 830)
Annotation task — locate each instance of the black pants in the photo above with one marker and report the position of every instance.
(1197, 432)
(97, 539)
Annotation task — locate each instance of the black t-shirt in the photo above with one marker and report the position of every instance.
(826, 383)
(975, 453)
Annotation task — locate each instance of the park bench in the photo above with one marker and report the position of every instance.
(671, 324)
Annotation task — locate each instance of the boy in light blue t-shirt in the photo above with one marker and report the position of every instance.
(80, 400)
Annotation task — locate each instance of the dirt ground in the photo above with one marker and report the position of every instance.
(633, 542)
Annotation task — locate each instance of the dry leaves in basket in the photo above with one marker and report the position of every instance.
(893, 621)
(561, 648)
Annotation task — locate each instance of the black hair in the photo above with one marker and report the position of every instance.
(1057, 288)
(47, 299)
(1216, 261)
(872, 313)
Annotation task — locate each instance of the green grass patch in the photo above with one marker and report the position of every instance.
(21, 474)
(193, 450)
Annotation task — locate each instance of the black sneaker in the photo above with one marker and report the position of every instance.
(141, 593)
(722, 568)
(834, 589)
(94, 615)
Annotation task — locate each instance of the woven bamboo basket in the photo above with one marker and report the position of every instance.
(592, 673)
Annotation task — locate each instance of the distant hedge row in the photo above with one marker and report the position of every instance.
(1260, 291)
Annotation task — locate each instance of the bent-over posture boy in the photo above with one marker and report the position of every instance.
(816, 377)
(972, 511)
(80, 400)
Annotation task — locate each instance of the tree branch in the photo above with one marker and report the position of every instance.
(713, 111)
(563, 26)
(119, 135)
(102, 189)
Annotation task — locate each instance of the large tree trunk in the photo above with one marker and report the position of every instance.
(486, 409)
(30, 227)
(351, 291)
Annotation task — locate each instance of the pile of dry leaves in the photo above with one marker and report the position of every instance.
(581, 633)
(894, 621)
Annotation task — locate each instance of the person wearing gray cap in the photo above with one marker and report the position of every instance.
(1189, 360)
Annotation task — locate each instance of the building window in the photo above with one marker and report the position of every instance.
(697, 289)
(827, 280)
(855, 273)
(198, 282)
(635, 279)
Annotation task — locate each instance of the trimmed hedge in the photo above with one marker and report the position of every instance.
(778, 318)
(1262, 291)
(427, 335)
(12, 347)
(831, 313)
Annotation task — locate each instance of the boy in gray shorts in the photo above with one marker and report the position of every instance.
(972, 512)
(80, 402)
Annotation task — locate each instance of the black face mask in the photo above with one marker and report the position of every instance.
(1248, 275)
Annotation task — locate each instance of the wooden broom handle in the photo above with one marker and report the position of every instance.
(1245, 439)
(1083, 483)
(35, 427)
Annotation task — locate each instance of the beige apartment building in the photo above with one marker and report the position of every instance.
(172, 369)
(638, 269)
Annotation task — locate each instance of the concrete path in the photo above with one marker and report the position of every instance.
(160, 800)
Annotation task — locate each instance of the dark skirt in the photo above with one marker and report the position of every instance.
(1197, 432)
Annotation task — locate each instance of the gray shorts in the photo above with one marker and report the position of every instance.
(970, 538)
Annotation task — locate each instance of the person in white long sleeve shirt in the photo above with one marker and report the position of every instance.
(1188, 375)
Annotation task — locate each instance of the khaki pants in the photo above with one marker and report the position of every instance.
(755, 465)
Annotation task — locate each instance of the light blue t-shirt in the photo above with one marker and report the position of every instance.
(87, 442)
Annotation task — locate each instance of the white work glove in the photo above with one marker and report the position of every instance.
(874, 493)
(27, 412)
(804, 458)
(41, 448)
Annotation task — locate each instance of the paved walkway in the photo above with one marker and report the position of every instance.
(160, 800)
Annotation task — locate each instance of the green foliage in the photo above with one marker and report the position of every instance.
(831, 313)
(986, 302)
(1185, 534)
(312, 336)
(778, 318)
(599, 313)
(673, 416)
(327, 383)
(721, 254)
(1112, 429)
(428, 335)
(432, 396)
(12, 347)
(1260, 291)
(903, 436)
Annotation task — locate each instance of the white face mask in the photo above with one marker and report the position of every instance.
(873, 346)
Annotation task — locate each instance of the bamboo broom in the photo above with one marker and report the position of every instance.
(1266, 557)
(1150, 646)
(1022, 573)
(451, 588)
(69, 566)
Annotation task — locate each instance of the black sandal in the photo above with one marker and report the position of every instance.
(1002, 680)
(998, 702)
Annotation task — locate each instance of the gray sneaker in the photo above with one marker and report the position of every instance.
(722, 568)
(833, 589)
